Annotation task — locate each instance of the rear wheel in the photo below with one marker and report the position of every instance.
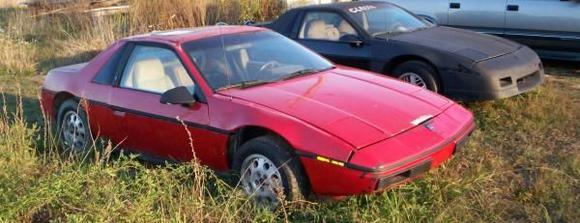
(72, 127)
(419, 74)
(269, 172)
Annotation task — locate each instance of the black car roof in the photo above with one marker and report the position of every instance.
(286, 23)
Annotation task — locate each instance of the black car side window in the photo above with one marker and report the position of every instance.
(107, 73)
(325, 26)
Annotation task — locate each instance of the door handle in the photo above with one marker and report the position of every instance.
(454, 5)
(514, 8)
(119, 113)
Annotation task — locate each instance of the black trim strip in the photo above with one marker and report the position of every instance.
(149, 115)
(132, 111)
(469, 129)
(412, 174)
(306, 154)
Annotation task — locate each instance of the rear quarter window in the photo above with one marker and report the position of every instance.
(107, 73)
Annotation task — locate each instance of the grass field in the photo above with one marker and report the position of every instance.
(522, 164)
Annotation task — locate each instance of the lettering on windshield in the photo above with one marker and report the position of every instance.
(361, 8)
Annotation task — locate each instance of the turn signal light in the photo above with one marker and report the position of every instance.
(327, 160)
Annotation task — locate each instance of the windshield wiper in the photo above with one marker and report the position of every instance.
(399, 32)
(303, 72)
(253, 83)
(246, 84)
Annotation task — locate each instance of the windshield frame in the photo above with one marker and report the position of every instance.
(186, 48)
(380, 5)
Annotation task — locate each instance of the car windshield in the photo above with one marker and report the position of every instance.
(384, 19)
(248, 59)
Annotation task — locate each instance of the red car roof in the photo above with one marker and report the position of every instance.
(185, 35)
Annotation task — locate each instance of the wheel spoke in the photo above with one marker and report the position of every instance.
(272, 172)
(413, 79)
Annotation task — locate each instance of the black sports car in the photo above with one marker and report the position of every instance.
(384, 38)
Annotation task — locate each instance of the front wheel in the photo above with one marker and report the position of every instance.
(418, 73)
(269, 172)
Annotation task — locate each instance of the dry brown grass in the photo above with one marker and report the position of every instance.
(170, 14)
(16, 57)
(9, 3)
(167, 14)
(82, 46)
(70, 35)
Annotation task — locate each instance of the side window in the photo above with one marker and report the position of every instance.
(156, 70)
(325, 26)
(107, 73)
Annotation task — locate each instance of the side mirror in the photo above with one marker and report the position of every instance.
(177, 96)
(354, 40)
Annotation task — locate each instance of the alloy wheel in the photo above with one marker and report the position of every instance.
(74, 131)
(413, 79)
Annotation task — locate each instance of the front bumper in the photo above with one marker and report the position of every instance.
(496, 78)
(389, 167)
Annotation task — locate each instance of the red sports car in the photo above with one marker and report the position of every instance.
(253, 101)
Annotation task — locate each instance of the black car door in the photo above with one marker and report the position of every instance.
(332, 36)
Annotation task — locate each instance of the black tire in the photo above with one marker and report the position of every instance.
(281, 155)
(427, 72)
(71, 105)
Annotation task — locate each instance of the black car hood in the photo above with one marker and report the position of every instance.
(472, 45)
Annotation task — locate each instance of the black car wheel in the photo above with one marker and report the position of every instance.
(269, 171)
(418, 73)
(73, 127)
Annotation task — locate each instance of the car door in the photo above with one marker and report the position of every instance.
(103, 122)
(326, 32)
(483, 16)
(545, 24)
(161, 131)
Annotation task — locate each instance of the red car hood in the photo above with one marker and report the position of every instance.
(359, 107)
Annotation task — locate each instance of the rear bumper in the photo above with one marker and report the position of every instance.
(328, 179)
(501, 77)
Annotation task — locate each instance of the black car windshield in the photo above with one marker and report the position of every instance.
(383, 19)
(248, 59)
